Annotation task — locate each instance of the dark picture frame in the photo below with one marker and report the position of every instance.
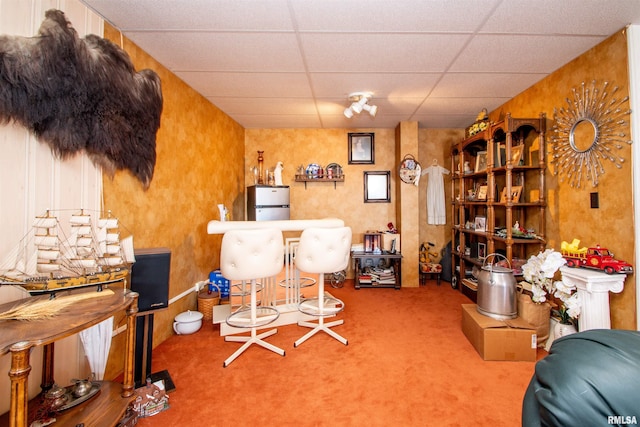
(482, 250)
(361, 149)
(481, 162)
(377, 187)
(480, 224)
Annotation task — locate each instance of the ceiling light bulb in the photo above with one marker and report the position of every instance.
(348, 113)
(356, 107)
(372, 109)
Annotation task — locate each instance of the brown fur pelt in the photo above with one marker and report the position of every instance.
(81, 95)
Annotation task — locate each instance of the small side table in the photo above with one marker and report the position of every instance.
(361, 259)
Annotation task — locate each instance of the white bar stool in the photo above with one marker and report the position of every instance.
(249, 255)
(322, 250)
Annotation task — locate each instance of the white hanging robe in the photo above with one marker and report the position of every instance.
(436, 209)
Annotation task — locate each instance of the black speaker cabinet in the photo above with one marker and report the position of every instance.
(150, 278)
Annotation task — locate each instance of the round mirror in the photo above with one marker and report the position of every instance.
(587, 131)
(583, 135)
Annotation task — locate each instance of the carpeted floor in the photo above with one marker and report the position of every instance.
(407, 364)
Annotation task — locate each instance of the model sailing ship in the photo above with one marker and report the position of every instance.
(45, 261)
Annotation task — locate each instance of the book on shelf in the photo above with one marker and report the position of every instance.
(364, 278)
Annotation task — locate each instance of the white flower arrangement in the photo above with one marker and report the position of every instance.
(540, 271)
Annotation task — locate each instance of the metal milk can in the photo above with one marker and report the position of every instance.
(497, 296)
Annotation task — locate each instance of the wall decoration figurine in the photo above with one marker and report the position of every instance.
(277, 173)
(81, 95)
(586, 131)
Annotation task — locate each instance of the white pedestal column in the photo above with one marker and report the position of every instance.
(593, 288)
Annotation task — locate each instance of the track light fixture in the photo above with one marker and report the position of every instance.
(359, 102)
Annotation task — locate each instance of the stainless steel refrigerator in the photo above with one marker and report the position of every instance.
(267, 202)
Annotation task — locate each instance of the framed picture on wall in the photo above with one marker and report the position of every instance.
(377, 187)
(361, 149)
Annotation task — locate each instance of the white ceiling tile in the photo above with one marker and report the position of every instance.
(390, 16)
(382, 85)
(595, 17)
(538, 54)
(278, 121)
(248, 85)
(380, 52)
(266, 106)
(239, 52)
(271, 15)
(484, 85)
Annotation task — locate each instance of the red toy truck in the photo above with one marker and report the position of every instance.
(597, 258)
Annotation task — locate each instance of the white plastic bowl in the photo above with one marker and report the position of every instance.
(187, 322)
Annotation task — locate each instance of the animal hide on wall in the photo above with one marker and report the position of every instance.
(81, 95)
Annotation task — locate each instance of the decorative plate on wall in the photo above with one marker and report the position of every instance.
(333, 169)
(409, 169)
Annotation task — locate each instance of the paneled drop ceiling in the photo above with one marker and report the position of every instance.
(292, 63)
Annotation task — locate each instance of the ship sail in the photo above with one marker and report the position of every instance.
(109, 239)
(47, 243)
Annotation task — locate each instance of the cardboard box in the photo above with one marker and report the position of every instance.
(512, 339)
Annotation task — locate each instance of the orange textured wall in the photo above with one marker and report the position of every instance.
(435, 146)
(295, 147)
(200, 163)
(569, 214)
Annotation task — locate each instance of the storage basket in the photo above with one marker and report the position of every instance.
(207, 300)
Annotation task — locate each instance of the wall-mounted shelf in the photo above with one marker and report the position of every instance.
(305, 179)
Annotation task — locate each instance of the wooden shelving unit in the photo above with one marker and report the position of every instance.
(500, 175)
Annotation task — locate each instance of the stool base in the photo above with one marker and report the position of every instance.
(320, 326)
(248, 341)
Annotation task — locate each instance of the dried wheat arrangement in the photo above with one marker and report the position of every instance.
(47, 308)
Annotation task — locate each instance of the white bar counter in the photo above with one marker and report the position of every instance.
(221, 227)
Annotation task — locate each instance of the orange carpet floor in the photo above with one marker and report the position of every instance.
(407, 364)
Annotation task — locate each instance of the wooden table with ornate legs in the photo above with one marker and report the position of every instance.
(18, 337)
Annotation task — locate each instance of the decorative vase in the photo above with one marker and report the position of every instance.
(564, 329)
(261, 177)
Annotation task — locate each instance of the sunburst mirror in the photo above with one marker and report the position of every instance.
(587, 131)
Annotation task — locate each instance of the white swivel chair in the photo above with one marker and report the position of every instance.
(322, 250)
(249, 255)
